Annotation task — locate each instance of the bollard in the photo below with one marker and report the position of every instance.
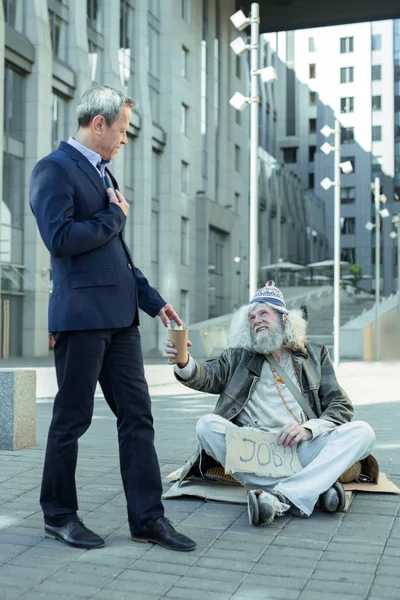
(17, 409)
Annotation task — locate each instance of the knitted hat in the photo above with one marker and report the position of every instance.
(271, 295)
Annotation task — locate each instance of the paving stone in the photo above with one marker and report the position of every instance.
(267, 581)
(70, 590)
(357, 589)
(224, 564)
(253, 592)
(210, 585)
(291, 542)
(384, 591)
(340, 594)
(282, 570)
(186, 593)
(160, 567)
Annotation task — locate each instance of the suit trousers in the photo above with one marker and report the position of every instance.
(323, 459)
(114, 358)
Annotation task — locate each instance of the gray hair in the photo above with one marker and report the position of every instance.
(294, 330)
(103, 100)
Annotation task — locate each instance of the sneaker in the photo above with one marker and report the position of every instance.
(264, 507)
(334, 499)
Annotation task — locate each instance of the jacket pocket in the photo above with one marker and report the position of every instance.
(93, 278)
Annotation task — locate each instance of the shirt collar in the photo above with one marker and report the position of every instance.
(93, 157)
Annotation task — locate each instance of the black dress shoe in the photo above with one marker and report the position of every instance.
(163, 533)
(74, 534)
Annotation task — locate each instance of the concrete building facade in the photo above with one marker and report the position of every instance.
(351, 72)
(185, 169)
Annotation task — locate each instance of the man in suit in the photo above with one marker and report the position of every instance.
(93, 314)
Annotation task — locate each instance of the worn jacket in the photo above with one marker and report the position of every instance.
(235, 373)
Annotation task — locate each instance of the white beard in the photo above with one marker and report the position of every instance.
(268, 340)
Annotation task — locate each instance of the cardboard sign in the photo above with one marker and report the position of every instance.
(250, 450)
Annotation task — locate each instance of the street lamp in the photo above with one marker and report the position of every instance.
(345, 167)
(239, 102)
(394, 235)
(379, 214)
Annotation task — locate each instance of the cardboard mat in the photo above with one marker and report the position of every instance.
(212, 491)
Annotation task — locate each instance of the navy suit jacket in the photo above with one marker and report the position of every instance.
(95, 282)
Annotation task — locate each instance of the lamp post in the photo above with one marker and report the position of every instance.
(394, 235)
(239, 102)
(379, 213)
(327, 183)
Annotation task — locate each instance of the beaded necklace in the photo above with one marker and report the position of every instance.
(277, 378)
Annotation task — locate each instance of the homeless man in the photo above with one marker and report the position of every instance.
(269, 355)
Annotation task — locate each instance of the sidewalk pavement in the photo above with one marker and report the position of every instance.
(351, 556)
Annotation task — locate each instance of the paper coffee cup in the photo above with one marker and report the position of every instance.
(179, 338)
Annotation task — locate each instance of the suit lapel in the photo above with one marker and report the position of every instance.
(84, 165)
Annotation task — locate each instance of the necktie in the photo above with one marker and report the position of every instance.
(103, 176)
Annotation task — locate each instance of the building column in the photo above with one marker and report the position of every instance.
(37, 145)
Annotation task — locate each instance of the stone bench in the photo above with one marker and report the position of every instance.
(17, 409)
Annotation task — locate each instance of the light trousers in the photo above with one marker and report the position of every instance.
(323, 459)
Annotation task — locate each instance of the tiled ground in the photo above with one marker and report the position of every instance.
(353, 556)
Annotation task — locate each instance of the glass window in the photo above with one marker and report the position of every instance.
(59, 129)
(237, 158)
(311, 71)
(311, 44)
(185, 10)
(185, 61)
(347, 195)
(156, 174)
(125, 52)
(184, 177)
(312, 125)
(58, 35)
(313, 98)
(184, 241)
(377, 133)
(346, 74)
(376, 73)
(376, 41)
(397, 103)
(347, 135)
(12, 210)
(346, 45)
(348, 255)
(155, 103)
(348, 225)
(184, 306)
(129, 172)
(311, 153)
(290, 155)
(311, 181)
(13, 13)
(93, 12)
(377, 162)
(346, 105)
(13, 104)
(155, 236)
(184, 118)
(94, 55)
(238, 66)
(376, 103)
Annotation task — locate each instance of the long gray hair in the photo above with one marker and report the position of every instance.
(103, 100)
(294, 330)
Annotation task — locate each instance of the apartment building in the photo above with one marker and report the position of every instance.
(350, 72)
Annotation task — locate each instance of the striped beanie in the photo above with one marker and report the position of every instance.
(271, 295)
